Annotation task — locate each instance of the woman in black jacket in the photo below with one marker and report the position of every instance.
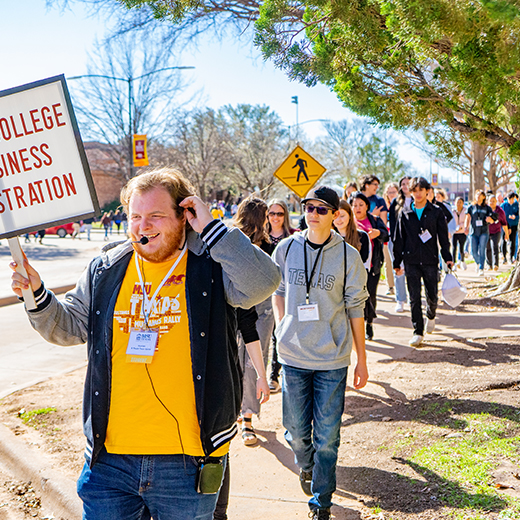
(378, 234)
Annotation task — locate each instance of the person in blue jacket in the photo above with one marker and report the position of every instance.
(478, 218)
(511, 209)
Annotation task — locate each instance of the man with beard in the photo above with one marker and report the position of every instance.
(163, 386)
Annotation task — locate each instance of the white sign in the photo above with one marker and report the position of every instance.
(44, 175)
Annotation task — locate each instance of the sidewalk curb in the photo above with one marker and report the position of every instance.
(10, 300)
(58, 492)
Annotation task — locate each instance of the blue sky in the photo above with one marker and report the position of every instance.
(38, 43)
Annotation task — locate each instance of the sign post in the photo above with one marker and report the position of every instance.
(45, 179)
(299, 172)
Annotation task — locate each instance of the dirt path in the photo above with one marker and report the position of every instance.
(431, 396)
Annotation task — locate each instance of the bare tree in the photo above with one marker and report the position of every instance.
(257, 143)
(197, 146)
(128, 89)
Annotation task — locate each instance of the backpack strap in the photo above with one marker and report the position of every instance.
(288, 247)
(344, 267)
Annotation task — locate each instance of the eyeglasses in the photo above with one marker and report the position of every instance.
(276, 214)
(320, 210)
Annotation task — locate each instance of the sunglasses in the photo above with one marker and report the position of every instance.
(276, 214)
(320, 210)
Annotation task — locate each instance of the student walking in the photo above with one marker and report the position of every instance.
(251, 220)
(495, 231)
(278, 227)
(403, 200)
(389, 195)
(345, 225)
(378, 233)
(511, 209)
(459, 237)
(419, 229)
(368, 185)
(319, 314)
(478, 218)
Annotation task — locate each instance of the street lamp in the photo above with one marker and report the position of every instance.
(295, 101)
(130, 80)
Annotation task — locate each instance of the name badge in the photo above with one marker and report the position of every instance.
(141, 346)
(308, 312)
(425, 236)
(478, 223)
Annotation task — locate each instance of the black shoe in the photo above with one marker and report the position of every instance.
(306, 481)
(320, 514)
(369, 334)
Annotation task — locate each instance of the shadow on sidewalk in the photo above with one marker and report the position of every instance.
(45, 252)
(282, 452)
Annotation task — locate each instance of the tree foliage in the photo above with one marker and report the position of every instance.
(406, 64)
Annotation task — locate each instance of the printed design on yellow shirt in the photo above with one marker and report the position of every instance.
(165, 314)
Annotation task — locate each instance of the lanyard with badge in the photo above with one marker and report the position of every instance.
(309, 311)
(142, 342)
(424, 235)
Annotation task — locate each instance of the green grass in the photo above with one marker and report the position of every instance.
(461, 467)
(36, 418)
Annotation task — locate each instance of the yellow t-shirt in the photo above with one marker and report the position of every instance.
(138, 424)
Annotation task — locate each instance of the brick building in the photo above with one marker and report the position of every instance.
(106, 173)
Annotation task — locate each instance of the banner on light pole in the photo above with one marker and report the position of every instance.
(140, 152)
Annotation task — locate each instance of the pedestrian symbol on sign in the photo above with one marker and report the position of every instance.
(301, 163)
(299, 171)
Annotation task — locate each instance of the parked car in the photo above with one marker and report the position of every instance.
(62, 230)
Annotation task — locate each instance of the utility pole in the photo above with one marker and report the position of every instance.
(295, 101)
(130, 80)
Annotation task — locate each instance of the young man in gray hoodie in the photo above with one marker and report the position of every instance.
(318, 310)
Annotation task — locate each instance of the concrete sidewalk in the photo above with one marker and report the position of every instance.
(264, 478)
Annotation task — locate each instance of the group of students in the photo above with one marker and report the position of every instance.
(325, 307)
(486, 223)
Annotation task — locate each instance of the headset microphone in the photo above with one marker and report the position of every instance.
(143, 241)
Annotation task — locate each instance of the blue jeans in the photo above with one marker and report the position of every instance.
(400, 281)
(312, 406)
(478, 248)
(137, 487)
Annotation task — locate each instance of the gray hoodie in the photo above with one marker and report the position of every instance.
(323, 344)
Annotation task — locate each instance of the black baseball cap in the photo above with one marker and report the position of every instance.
(324, 194)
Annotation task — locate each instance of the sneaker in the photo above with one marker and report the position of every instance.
(464, 266)
(369, 334)
(481, 272)
(274, 386)
(306, 481)
(390, 291)
(320, 514)
(430, 325)
(416, 340)
(495, 268)
(399, 307)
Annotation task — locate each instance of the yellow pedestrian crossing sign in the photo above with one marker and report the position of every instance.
(300, 172)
